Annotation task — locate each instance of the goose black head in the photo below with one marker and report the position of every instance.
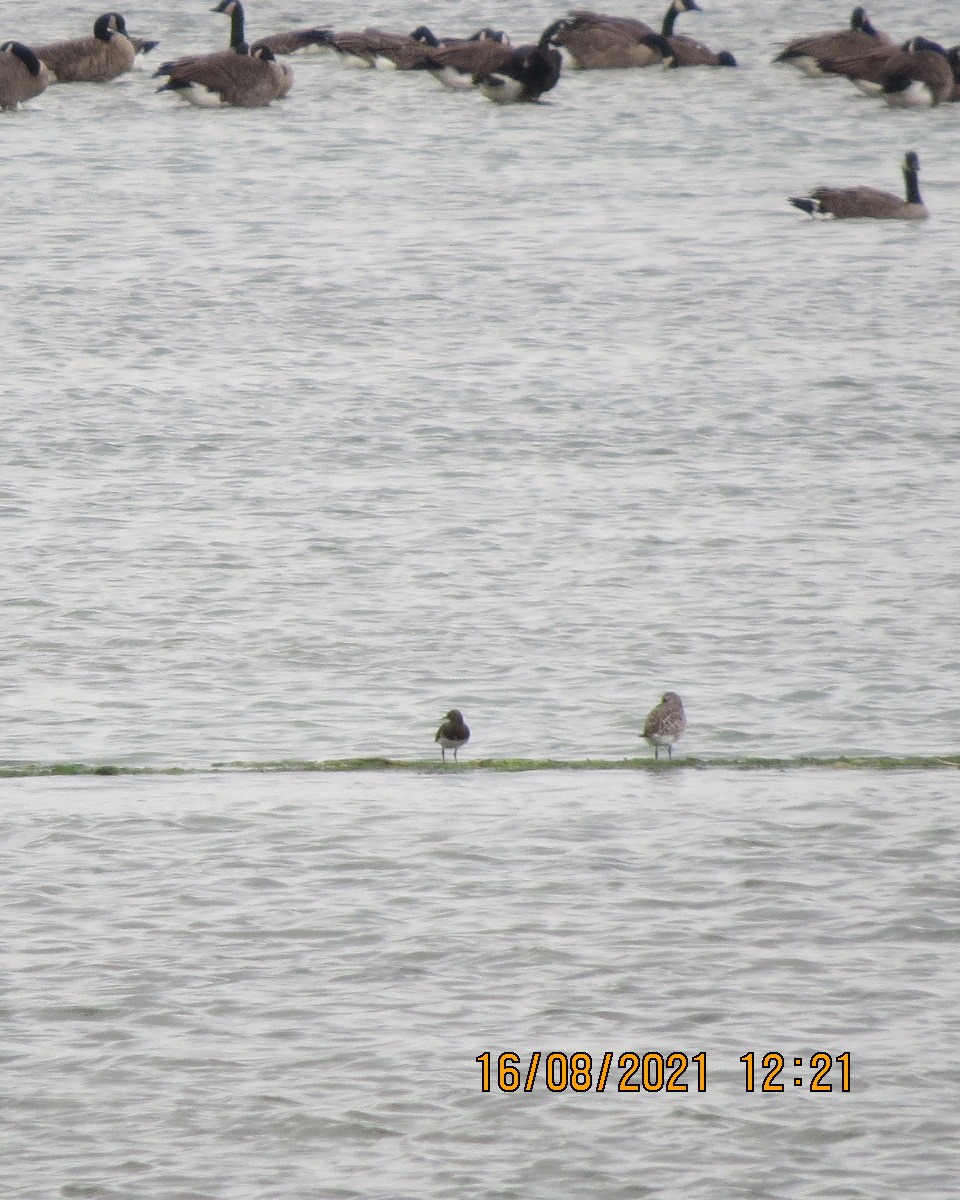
(107, 25)
(25, 54)
(424, 34)
(551, 31)
(916, 44)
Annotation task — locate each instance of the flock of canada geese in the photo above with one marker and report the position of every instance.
(916, 73)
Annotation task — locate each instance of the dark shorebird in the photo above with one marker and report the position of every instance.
(452, 734)
(665, 723)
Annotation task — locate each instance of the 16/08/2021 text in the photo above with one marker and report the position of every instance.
(674, 1071)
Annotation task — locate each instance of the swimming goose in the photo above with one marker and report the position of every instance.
(237, 45)
(524, 75)
(279, 70)
(867, 201)
(251, 80)
(595, 41)
(817, 54)
(457, 66)
(97, 59)
(22, 75)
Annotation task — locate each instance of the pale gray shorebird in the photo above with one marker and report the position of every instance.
(452, 734)
(665, 723)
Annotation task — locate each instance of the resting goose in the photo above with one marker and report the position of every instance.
(372, 48)
(841, 203)
(917, 75)
(251, 80)
(818, 54)
(457, 66)
(524, 75)
(676, 50)
(921, 77)
(594, 41)
(22, 75)
(97, 59)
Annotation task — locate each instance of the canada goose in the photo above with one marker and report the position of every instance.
(237, 45)
(408, 55)
(867, 201)
(921, 77)
(816, 55)
(278, 70)
(457, 66)
(97, 59)
(22, 75)
(595, 41)
(524, 75)
(376, 48)
(917, 75)
(242, 80)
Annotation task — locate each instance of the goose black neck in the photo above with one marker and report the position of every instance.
(913, 185)
(669, 17)
(25, 55)
(236, 30)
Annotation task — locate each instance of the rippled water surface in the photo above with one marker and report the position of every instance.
(247, 987)
(320, 419)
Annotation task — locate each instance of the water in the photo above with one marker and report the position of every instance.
(322, 419)
(250, 988)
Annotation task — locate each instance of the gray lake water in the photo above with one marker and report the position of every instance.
(321, 419)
